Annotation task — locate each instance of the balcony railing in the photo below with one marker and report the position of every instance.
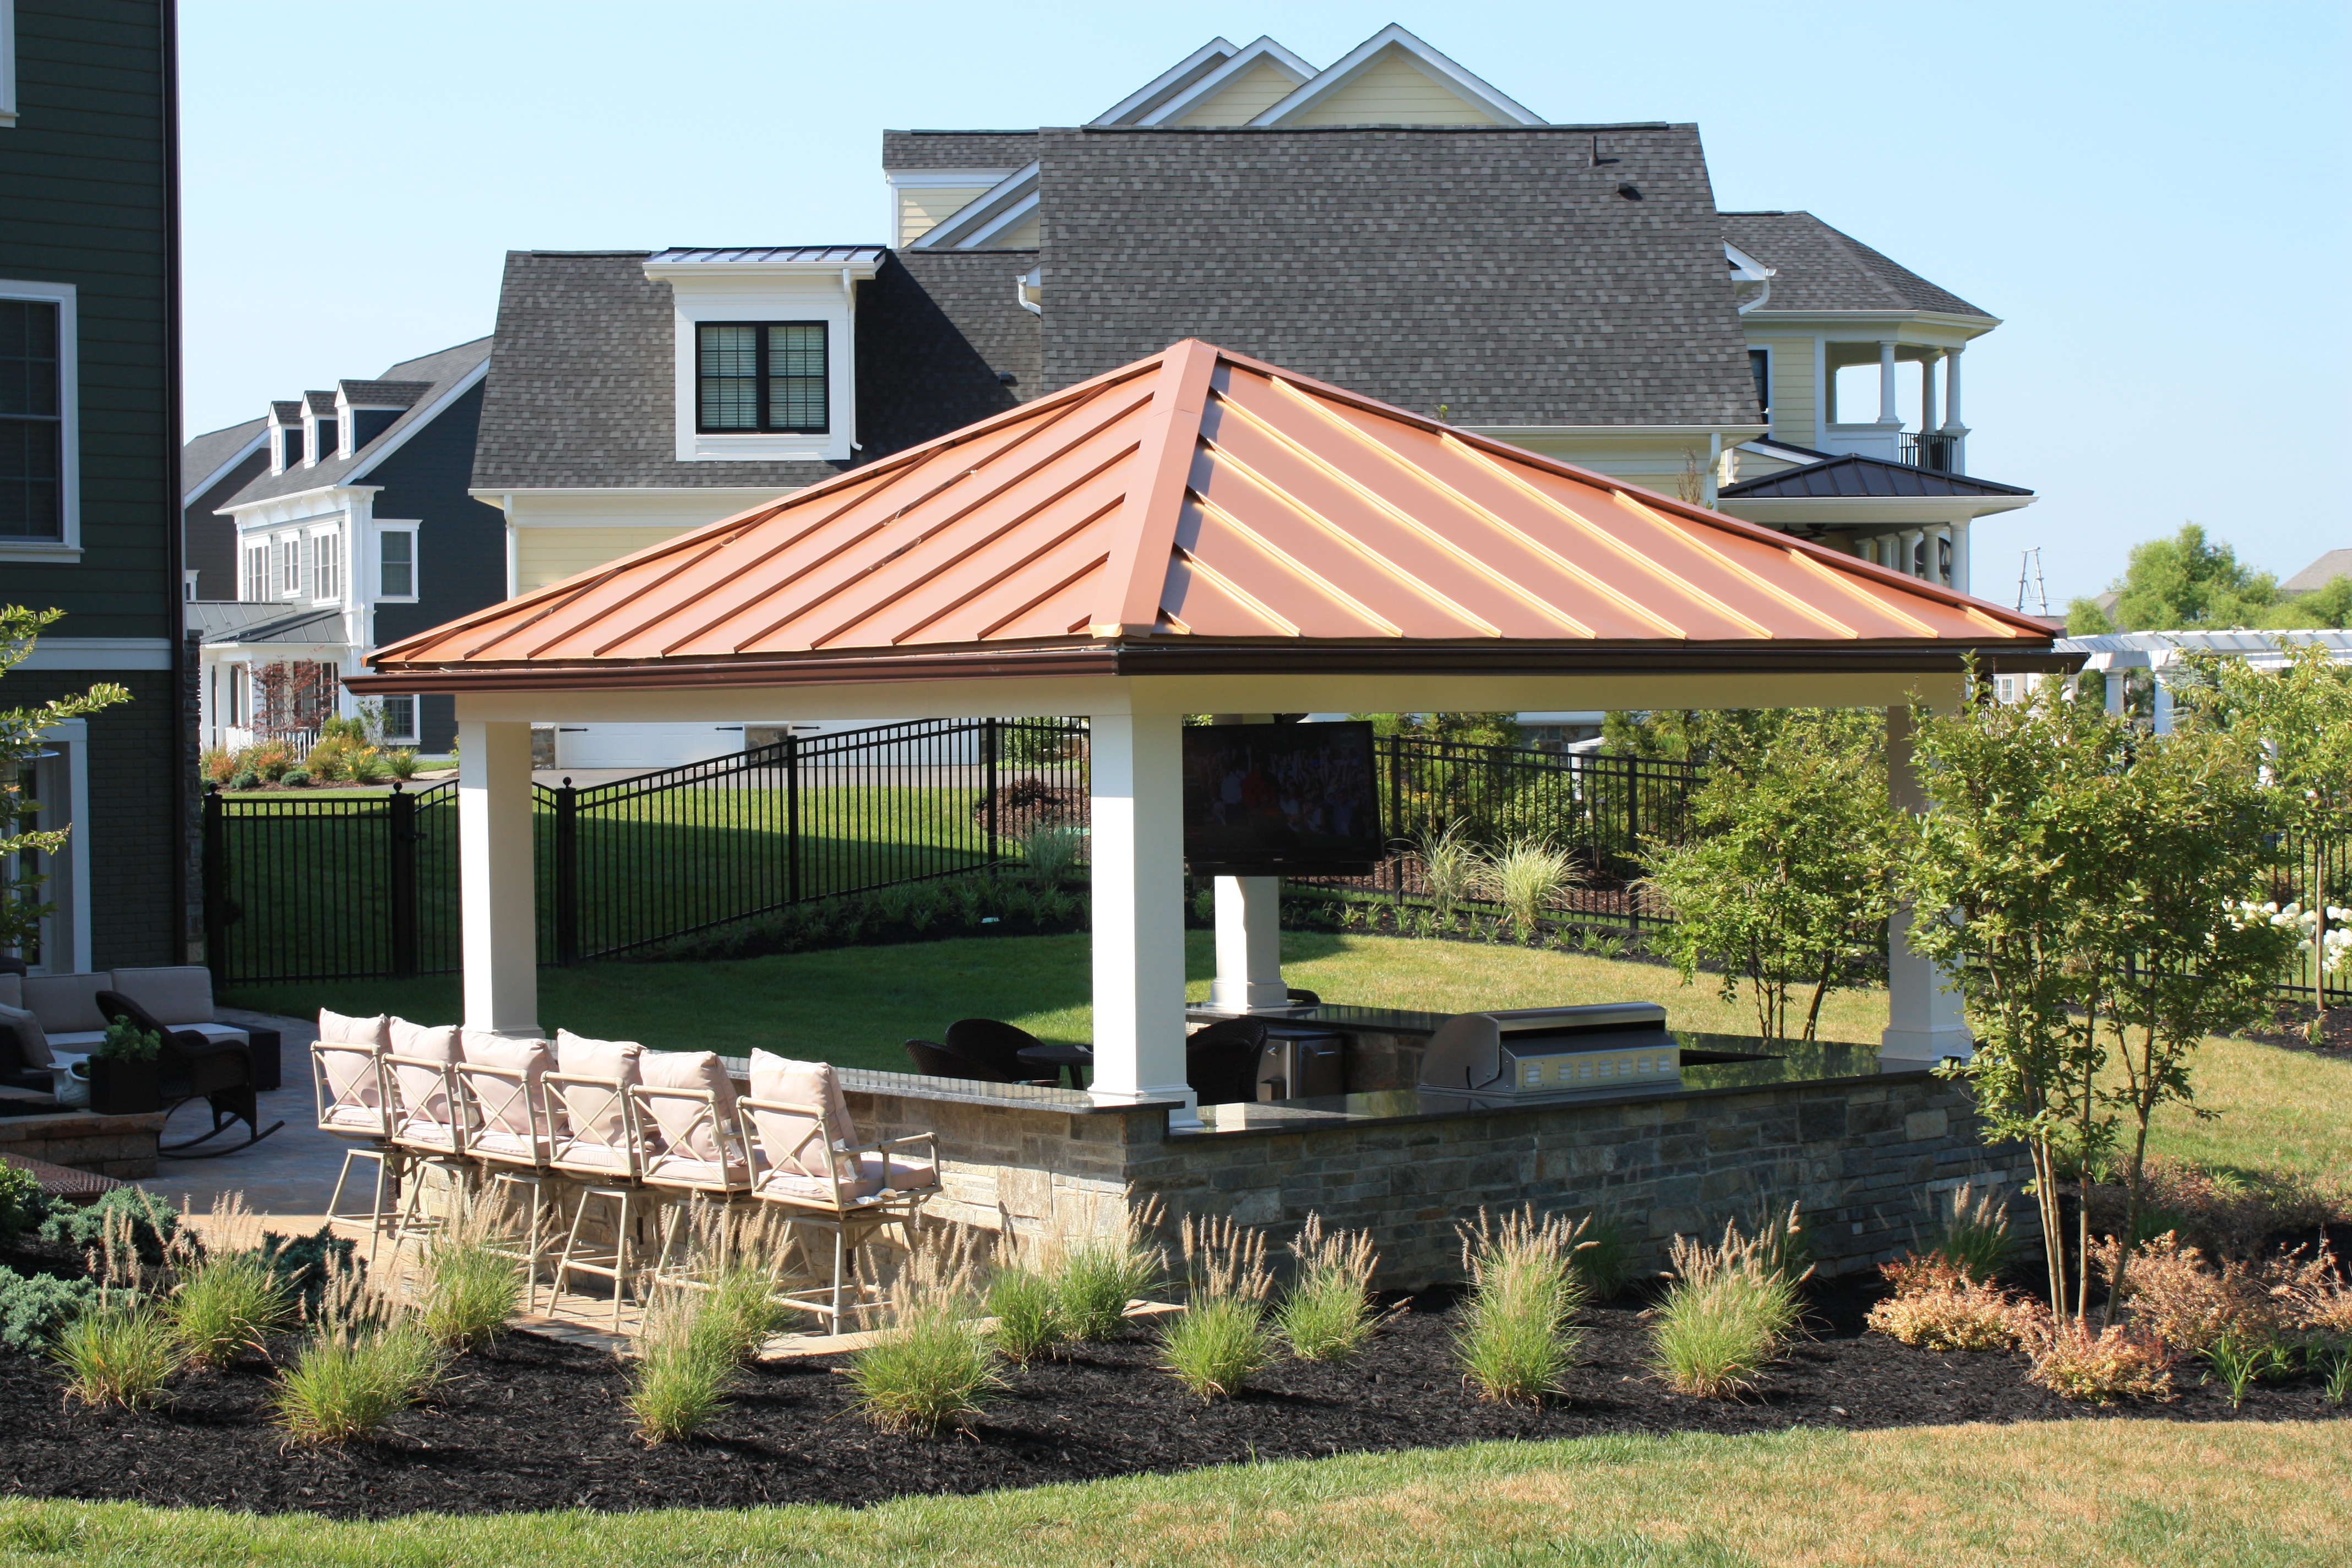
(1929, 450)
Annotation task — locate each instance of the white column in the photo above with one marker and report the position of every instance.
(1959, 531)
(2114, 691)
(1886, 414)
(498, 913)
(1907, 542)
(2163, 717)
(1925, 1020)
(1249, 946)
(1138, 855)
(1927, 393)
(1952, 390)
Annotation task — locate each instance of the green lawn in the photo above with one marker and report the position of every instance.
(2155, 1494)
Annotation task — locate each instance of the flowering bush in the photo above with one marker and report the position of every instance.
(2125, 1362)
(2335, 948)
(1938, 1306)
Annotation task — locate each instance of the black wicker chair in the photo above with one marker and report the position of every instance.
(191, 1067)
(1221, 1062)
(1303, 998)
(996, 1046)
(933, 1059)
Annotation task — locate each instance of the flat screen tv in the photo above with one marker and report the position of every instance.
(1272, 800)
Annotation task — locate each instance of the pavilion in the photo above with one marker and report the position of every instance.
(1194, 532)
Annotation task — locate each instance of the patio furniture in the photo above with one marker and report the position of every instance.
(695, 1145)
(825, 1181)
(998, 1045)
(1303, 998)
(1220, 1061)
(427, 1122)
(1056, 1060)
(178, 996)
(933, 1059)
(347, 1078)
(595, 1139)
(190, 1066)
(502, 1084)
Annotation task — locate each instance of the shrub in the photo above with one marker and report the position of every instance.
(119, 1351)
(1972, 1236)
(152, 1222)
(1605, 1258)
(684, 1361)
(2173, 1295)
(1515, 1340)
(1936, 1306)
(2071, 1361)
(296, 779)
(1327, 1315)
(1028, 1322)
(1727, 1315)
(328, 761)
(2312, 1293)
(22, 1205)
(2226, 1213)
(467, 1284)
(400, 763)
(368, 767)
(228, 1301)
(1221, 1338)
(216, 763)
(34, 1307)
(303, 1261)
(247, 780)
(932, 1369)
(1050, 851)
(272, 761)
(1096, 1276)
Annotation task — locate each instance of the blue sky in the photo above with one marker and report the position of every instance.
(2152, 197)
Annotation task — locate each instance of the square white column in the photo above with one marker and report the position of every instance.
(1886, 414)
(499, 915)
(1138, 857)
(2114, 691)
(1925, 1020)
(1249, 946)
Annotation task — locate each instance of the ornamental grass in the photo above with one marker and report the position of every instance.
(1728, 1313)
(1221, 1338)
(1327, 1315)
(933, 1369)
(1514, 1342)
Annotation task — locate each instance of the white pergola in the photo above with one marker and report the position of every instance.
(1197, 532)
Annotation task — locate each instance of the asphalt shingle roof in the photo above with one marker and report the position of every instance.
(383, 394)
(439, 372)
(203, 456)
(2319, 574)
(1495, 271)
(1852, 475)
(1816, 268)
(958, 149)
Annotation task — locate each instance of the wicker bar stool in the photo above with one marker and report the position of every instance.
(594, 1138)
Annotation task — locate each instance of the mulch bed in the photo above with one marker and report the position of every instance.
(534, 1424)
(2293, 1018)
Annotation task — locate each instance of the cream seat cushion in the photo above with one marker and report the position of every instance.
(68, 1003)
(792, 1147)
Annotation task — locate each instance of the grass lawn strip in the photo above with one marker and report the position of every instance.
(2153, 1493)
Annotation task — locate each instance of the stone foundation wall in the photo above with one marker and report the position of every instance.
(1861, 1158)
(122, 1146)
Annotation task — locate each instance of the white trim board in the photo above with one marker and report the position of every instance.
(1260, 51)
(1479, 91)
(1167, 84)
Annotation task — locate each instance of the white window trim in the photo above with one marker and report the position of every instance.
(766, 292)
(413, 528)
(66, 546)
(415, 718)
(65, 943)
(7, 63)
(1766, 349)
(322, 541)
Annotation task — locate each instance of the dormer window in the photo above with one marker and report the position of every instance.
(760, 377)
(328, 444)
(289, 447)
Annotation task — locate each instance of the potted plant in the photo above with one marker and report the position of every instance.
(122, 1072)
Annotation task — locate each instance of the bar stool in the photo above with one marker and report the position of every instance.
(593, 1137)
(347, 1077)
(695, 1146)
(825, 1181)
(502, 1085)
(427, 1122)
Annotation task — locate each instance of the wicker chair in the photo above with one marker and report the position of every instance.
(1221, 1062)
(996, 1046)
(192, 1066)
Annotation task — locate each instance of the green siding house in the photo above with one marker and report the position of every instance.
(89, 460)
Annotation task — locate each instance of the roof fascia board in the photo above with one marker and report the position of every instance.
(933, 179)
(1174, 79)
(260, 439)
(1010, 218)
(1264, 50)
(1974, 326)
(1730, 433)
(964, 227)
(1745, 268)
(393, 440)
(668, 271)
(1884, 509)
(1507, 110)
(337, 496)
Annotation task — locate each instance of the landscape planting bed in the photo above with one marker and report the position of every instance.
(534, 1424)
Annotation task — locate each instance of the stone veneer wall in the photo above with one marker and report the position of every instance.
(122, 1146)
(1859, 1155)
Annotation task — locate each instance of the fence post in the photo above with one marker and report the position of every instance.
(567, 874)
(1632, 804)
(215, 886)
(1396, 810)
(401, 837)
(792, 816)
(988, 783)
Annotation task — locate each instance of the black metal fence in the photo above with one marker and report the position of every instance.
(2320, 877)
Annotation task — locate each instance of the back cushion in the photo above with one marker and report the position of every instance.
(66, 1003)
(504, 1108)
(793, 1141)
(422, 1092)
(182, 994)
(685, 1125)
(334, 1029)
(12, 990)
(352, 1073)
(596, 1114)
(32, 1042)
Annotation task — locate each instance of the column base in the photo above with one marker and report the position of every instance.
(1925, 1045)
(1242, 996)
(1186, 1114)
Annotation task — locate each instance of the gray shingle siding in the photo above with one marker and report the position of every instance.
(1817, 268)
(1495, 272)
(583, 384)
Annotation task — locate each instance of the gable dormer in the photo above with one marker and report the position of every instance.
(365, 409)
(320, 439)
(766, 352)
(285, 437)
(1231, 89)
(1394, 79)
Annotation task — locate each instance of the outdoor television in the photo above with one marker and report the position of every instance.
(1272, 800)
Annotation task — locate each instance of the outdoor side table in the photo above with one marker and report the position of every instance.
(1055, 1058)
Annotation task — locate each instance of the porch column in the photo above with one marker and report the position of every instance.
(498, 923)
(2162, 720)
(1886, 414)
(1908, 543)
(1925, 1021)
(1927, 393)
(1249, 946)
(1953, 426)
(1138, 853)
(2114, 691)
(1959, 531)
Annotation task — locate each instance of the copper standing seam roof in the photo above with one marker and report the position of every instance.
(1201, 509)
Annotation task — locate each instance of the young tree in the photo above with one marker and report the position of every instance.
(20, 733)
(1785, 878)
(2187, 581)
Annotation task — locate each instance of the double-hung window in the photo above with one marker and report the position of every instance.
(326, 567)
(289, 565)
(760, 377)
(400, 719)
(256, 573)
(32, 424)
(397, 564)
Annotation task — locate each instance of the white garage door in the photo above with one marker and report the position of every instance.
(644, 746)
